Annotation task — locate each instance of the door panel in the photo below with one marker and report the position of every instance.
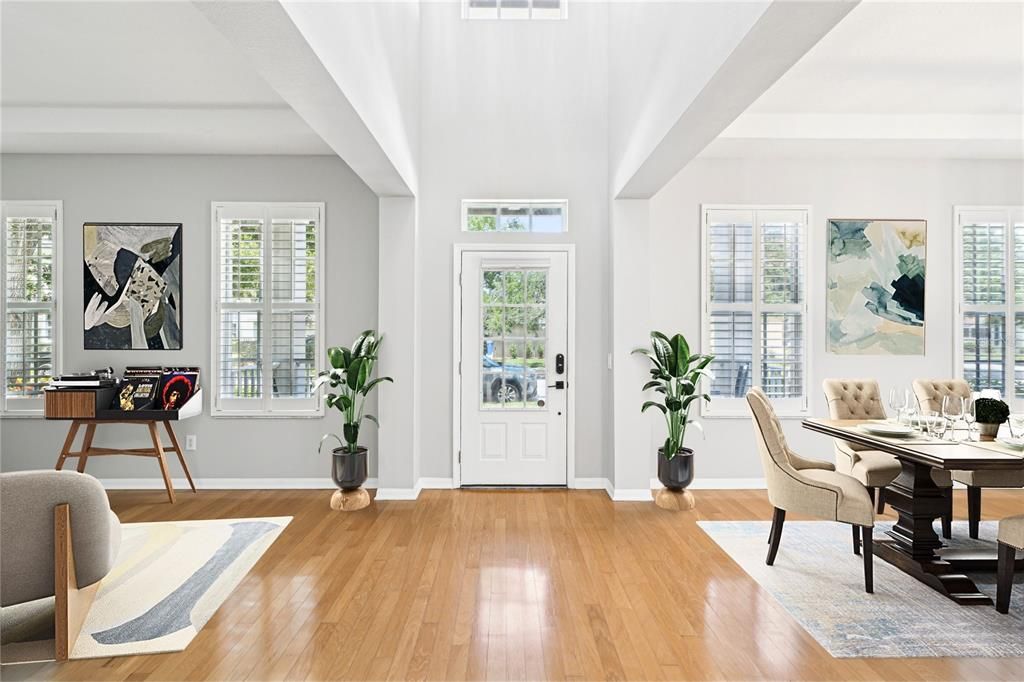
(514, 323)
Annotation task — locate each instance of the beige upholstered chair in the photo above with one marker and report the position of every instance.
(930, 394)
(59, 539)
(807, 486)
(861, 399)
(1011, 538)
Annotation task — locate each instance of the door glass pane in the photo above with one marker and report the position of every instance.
(513, 333)
(984, 347)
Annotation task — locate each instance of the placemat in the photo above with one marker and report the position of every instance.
(997, 447)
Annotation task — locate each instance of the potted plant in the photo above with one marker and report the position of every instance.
(675, 375)
(990, 414)
(350, 382)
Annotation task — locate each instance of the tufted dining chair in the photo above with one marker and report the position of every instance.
(807, 486)
(930, 393)
(1011, 538)
(861, 399)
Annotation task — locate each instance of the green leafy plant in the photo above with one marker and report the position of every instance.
(350, 381)
(991, 411)
(676, 376)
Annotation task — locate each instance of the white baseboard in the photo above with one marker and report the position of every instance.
(721, 484)
(395, 494)
(324, 483)
(436, 484)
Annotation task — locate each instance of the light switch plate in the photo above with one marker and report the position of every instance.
(190, 441)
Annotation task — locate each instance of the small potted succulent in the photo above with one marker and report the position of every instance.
(350, 382)
(990, 414)
(675, 375)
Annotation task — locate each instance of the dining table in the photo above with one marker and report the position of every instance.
(912, 545)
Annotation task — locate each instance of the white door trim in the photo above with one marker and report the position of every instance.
(570, 398)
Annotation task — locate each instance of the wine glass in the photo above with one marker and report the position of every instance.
(1016, 426)
(952, 410)
(898, 401)
(938, 425)
(912, 421)
(969, 415)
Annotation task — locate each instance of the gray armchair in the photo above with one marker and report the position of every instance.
(59, 538)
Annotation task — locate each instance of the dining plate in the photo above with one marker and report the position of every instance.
(891, 430)
(1010, 443)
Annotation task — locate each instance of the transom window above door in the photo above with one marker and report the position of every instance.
(545, 217)
(514, 9)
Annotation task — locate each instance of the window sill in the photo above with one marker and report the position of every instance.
(266, 415)
(746, 415)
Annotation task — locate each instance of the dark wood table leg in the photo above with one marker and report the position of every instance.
(68, 442)
(913, 545)
(90, 431)
(181, 455)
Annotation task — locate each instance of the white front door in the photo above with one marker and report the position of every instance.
(514, 367)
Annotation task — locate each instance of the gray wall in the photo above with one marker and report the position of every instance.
(180, 189)
(833, 187)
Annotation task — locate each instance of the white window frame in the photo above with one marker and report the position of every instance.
(1009, 308)
(496, 14)
(732, 407)
(265, 406)
(33, 406)
(498, 203)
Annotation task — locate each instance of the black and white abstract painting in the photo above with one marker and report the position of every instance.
(132, 286)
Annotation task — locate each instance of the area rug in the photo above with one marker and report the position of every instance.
(820, 582)
(169, 579)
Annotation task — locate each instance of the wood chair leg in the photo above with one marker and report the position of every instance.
(68, 442)
(880, 509)
(159, 448)
(856, 540)
(90, 431)
(947, 518)
(1004, 577)
(181, 455)
(771, 531)
(778, 518)
(869, 559)
(71, 603)
(973, 510)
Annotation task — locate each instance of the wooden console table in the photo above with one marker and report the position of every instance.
(81, 408)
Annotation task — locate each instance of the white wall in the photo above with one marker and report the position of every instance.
(179, 189)
(371, 49)
(514, 110)
(661, 55)
(866, 188)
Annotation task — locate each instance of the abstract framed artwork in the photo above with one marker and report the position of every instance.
(876, 285)
(133, 288)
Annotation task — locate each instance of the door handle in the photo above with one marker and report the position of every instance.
(560, 385)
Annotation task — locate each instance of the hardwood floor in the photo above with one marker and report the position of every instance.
(501, 585)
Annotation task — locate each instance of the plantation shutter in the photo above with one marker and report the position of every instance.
(268, 270)
(991, 272)
(755, 262)
(29, 265)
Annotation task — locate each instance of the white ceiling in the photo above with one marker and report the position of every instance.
(956, 67)
(143, 77)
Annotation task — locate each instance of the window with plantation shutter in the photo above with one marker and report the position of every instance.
(267, 348)
(990, 330)
(755, 308)
(30, 272)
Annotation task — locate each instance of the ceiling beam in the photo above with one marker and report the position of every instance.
(267, 36)
(779, 38)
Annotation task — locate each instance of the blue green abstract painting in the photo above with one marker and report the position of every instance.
(876, 278)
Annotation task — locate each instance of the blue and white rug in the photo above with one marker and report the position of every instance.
(820, 581)
(168, 580)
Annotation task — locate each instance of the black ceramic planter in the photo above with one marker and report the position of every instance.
(676, 473)
(349, 469)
